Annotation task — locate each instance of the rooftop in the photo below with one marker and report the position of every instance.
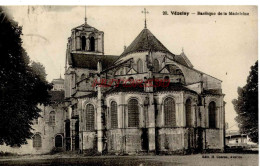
(145, 41)
(90, 61)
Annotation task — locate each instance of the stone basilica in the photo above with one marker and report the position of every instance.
(186, 115)
(94, 115)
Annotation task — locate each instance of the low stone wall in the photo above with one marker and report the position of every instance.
(213, 139)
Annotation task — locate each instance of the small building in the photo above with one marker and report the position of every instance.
(235, 138)
(48, 129)
(58, 84)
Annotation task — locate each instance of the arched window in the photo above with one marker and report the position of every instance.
(58, 141)
(114, 122)
(156, 66)
(140, 66)
(90, 117)
(212, 114)
(188, 113)
(52, 118)
(92, 44)
(83, 43)
(67, 128)
(169, 112)
(166, 78)
(133, 113)
(37, 141)
(82, 77)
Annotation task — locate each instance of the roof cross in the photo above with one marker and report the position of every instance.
(145, 12)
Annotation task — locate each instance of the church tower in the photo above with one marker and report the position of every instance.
(85, 41)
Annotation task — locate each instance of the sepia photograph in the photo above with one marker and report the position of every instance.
(128, 85)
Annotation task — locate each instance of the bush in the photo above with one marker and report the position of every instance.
(7, 154)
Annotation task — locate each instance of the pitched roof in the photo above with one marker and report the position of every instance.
(124, 88)
(90, 61)
(86, 26)
(58, 81)
(212, 91)
(90, 95)
(181, 60)
(174, 87)
(171, 87)
(144, 42)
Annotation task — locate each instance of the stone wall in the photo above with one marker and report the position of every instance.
(213, 139)
(47, 131)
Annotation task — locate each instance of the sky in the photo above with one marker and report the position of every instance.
(223, 46)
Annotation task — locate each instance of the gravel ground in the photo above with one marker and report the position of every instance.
(76, 160)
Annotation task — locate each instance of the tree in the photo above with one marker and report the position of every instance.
(246, 105)
(39, 70)
(22, 85)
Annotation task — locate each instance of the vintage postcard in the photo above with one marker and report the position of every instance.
(129, 85)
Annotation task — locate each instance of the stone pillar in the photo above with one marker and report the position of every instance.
(80, 113)
(224, 127)
(151, 123)
(180, 114)
(160, 118)
(151, 116)
(96, 44)
(78, 43)
(121, 115)
(72, 126)
(99, 112)
(88, 44)
(221, 127)
(222, 122)
(124, 125)
(182, 110)
(194, 115)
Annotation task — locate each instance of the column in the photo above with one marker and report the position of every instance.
(151, 115)
(99, 112)
(151, 123)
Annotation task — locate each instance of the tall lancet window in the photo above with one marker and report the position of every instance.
(212, 115)
(37, 141)
(169, 112)
(83, 43)
(133, 113)
(188, 113)
(156, 66)
(52, 118)
(90, 117)
(58, 141)
(92, 44)
(114, 123)
(140, 66)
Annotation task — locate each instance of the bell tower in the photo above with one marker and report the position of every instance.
(87, 40)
